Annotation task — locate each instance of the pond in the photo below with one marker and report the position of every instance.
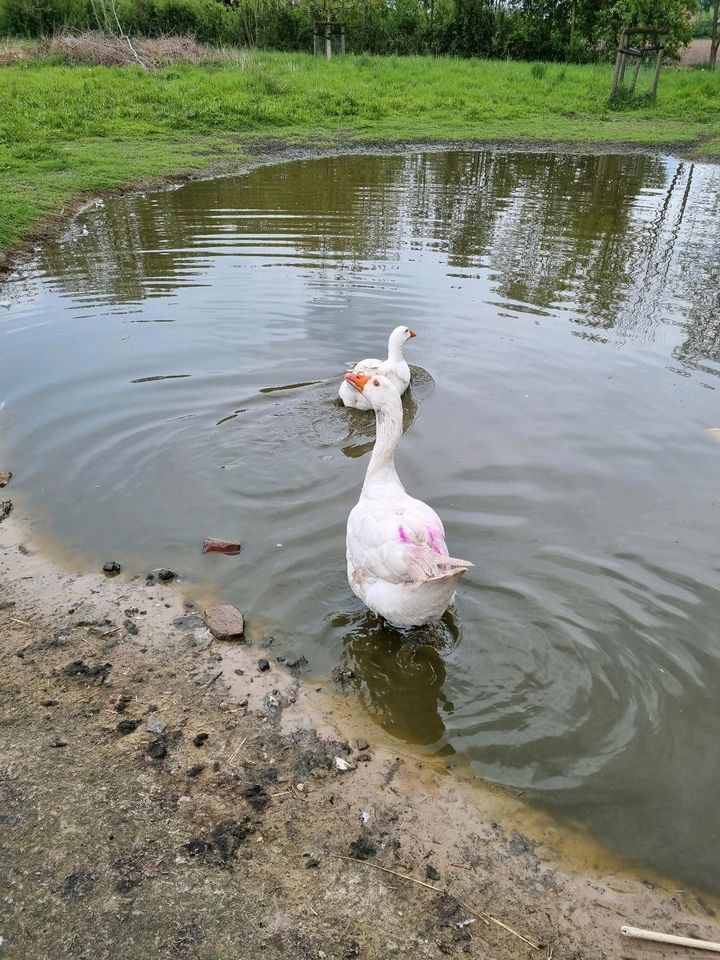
(169, 372)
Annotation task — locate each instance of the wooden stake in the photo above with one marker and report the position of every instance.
(639, 934)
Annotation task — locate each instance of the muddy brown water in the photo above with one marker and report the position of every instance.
(169, 372)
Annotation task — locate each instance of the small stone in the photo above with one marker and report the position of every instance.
(296, 664)
(431, 873)
(131, 611)
(127, 726)
(149, 580)
(342, 765)
(311, 863)
(112, 568)
(362, 744)
(5, 509)
(195, 770)
(5, 478)
(363, 758)
(300, 787)
(239, 672)
(199, 739)
(130, 627)
(228, 547)
(165, 575)
(155, 724)
(48, 703)
(263, 665)
(225, 622)
(58, 743)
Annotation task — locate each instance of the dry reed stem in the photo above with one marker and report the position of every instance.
(481, 915)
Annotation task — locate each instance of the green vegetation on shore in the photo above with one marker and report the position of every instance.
(70, 131)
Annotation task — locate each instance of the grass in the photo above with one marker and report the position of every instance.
(67, 131)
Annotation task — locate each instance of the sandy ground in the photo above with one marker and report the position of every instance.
(161, 797)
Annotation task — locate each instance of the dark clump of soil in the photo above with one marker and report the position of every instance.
(256, 796)
(363, 848)
(78, 668)
(127, 726)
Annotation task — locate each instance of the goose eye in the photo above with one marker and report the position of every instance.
(376, 383)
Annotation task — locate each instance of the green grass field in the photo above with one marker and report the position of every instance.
(67, 131)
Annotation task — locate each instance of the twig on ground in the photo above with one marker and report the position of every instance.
(25, 623)
(481, 915)
(212, 680)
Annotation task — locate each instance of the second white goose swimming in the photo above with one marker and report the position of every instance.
(395, 368)
(397, 560)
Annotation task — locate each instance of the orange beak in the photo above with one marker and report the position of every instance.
(358, 380)
(412, 332)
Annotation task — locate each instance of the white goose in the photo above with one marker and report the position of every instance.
(395, 368)
(397, 561)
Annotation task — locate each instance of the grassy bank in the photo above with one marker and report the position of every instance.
(66, 131)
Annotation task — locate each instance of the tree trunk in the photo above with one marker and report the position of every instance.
(715, 41)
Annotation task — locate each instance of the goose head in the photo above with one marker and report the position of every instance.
(398, 338)
(379, 392)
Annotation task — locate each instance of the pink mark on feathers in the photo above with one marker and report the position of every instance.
(404, 538)
(437, 541)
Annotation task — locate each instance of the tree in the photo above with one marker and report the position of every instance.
(715, 35)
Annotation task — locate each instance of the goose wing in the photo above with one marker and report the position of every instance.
(399, 542)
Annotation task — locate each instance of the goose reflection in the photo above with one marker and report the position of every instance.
(361, 424)
(399, 675)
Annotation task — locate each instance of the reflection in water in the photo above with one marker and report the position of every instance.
(399, 675)
(568, 309)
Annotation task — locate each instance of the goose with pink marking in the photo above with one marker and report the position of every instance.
(397, 560)
(395, 368)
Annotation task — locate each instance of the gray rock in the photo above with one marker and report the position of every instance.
(225, 622)
(154, 724)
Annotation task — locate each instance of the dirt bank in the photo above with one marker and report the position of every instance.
(163, 797)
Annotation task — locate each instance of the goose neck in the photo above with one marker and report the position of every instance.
(389, 431)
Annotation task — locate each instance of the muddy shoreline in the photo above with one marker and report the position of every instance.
(161, 796)
(265, 151)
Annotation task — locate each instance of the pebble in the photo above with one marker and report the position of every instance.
(165, 575)
(5, 477)
(112, 568)
(296, 664)
(263, 665)
(199, 739)
(225, 622)
(362, 744)
(342, 765)
(363, 758)
(130, 627)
